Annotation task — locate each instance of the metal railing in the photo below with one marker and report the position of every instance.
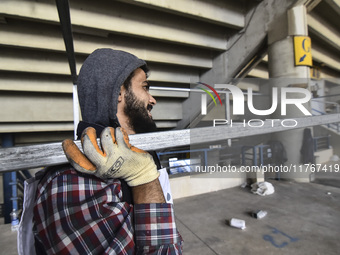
(333, 126)
(183, 165)
(256, 155)
(321, 143)
(335, 108)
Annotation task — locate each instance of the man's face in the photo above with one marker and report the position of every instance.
(139, 103)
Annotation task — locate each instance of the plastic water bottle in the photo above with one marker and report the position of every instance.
(15, 220)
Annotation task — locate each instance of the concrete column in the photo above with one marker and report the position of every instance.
(284, 73)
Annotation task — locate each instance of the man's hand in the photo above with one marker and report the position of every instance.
(117, 158)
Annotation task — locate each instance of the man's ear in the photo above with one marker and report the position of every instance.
(121, 94)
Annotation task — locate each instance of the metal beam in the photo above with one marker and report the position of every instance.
(17, 158)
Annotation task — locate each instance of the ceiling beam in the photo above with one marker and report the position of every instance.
(224, 13)
(335, 5)
(121, 20)
(15, 60)
(47, 37)
(325, 58)
(325, 32)
(35, 127)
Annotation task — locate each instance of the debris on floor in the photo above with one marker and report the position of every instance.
(262, 188)
(237, 223)
(334, 158)
(259, 214)
(245, 184)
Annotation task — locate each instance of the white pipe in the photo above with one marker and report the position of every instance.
(193, 90)
(75, 110)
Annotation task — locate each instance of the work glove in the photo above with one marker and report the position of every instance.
(116, 158)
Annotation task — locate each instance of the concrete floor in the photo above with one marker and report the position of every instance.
(303, 218)
(8, 240)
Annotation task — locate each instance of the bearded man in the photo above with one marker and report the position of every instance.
(108, 200)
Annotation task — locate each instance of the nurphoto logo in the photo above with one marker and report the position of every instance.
(238, 100)
(278, 95)
(204, 97)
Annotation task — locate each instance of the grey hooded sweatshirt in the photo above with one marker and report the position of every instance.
(99, 82)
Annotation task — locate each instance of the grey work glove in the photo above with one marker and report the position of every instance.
(116, 158)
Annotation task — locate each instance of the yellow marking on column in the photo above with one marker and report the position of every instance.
(303, 51)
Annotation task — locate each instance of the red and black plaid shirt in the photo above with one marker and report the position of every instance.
(81, 214)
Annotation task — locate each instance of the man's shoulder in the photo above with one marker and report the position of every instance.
(66, 182)
(67, 175)
(49, 173)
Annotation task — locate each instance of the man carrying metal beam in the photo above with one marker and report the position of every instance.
(117, 202)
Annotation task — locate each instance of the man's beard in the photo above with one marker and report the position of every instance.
(139, 119)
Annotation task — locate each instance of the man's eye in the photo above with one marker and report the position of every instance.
(147, 88)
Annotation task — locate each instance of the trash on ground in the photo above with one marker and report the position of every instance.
(262, 188)
(259, 214)
(237, 223)
(244, 185)
(334, 158)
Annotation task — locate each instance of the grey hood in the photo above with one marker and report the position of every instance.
(99, 82)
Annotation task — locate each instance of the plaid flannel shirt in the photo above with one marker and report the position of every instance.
(81, 214)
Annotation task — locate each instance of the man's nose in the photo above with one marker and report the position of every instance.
(152, 100)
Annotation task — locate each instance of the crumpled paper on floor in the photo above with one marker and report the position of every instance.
(262, 188)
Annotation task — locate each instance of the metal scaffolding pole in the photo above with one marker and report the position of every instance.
(9, 179)
(18, 158)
